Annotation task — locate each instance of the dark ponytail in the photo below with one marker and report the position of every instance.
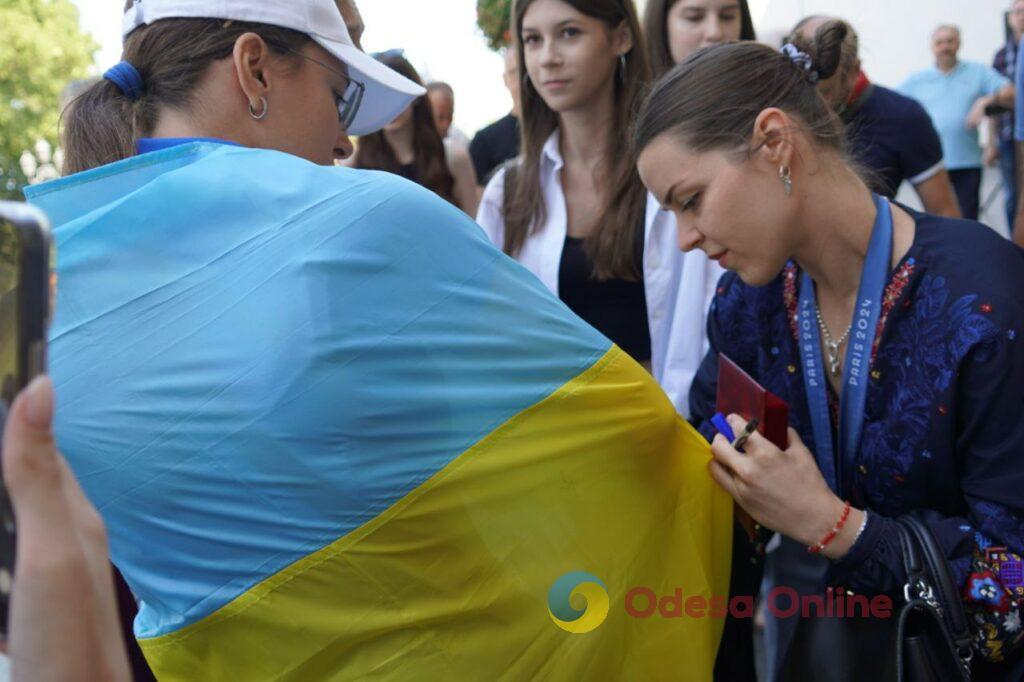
(826, 48)
(736, 82)
(97, 128)
(102, 125)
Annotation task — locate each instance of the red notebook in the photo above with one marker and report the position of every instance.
(739, 394)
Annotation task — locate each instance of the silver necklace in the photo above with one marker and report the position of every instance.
(832, 347)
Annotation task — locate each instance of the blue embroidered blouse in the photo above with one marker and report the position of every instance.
(944, 419)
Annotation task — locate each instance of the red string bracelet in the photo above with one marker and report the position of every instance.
(820, 547)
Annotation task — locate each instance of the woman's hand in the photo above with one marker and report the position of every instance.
(782, 489)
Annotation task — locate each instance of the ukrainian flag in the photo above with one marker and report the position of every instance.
(336, 435)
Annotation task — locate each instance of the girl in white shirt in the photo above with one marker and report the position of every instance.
(577, 214)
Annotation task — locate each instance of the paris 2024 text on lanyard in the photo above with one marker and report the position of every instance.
(858, 356)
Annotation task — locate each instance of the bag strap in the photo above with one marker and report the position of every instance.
(929, 579)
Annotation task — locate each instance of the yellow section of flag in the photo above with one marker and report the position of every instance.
(452, 581)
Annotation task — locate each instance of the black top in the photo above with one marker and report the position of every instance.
(892, 135)
(493, 146)
(408, 171)
(617, 308)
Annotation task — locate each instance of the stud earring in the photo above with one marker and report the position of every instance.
(787, 179)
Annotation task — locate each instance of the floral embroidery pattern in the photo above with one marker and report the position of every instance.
(789, 295)
(893, 292)
(983, 588)
(924, 370)
(994, 602)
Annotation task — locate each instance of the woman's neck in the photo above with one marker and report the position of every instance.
(838, 218)
(402, 143)
(175, 124)
(584, 131)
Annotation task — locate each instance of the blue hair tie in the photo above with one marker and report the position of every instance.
(802, 60)
(127, 78)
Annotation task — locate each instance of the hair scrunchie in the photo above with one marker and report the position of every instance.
(802, 60)
(127, 78)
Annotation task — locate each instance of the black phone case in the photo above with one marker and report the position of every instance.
(33, 307)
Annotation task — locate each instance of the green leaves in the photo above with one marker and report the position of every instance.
(42, 51)
(494, 19)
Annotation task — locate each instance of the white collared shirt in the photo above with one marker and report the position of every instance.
(678, 286)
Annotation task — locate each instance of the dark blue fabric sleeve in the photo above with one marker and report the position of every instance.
(920, 146)
(726, 305)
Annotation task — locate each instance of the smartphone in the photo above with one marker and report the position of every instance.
(25, 295)
(997, 110)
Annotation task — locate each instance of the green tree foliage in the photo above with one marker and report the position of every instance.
(493, 17)
(42, 50)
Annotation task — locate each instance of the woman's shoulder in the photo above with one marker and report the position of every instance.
(297, 187)
(500, 179)
(971, 256)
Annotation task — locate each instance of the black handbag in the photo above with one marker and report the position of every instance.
(927, 640)
(933, 640)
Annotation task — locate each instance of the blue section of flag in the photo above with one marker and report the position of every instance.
(228, 317)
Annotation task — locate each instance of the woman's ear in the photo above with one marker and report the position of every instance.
(773, 137)
(250, 58)
(622, 39)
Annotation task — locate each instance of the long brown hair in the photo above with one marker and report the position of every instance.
(102, 125)
(656, 33)
(612, 245)
(736, 82)
(430, 162)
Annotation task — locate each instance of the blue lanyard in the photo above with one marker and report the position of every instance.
(856, 376)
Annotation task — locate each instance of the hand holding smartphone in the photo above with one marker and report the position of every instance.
(25, 274)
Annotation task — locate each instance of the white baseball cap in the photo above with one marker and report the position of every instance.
(387, 93)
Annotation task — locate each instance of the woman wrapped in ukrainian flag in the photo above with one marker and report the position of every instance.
(333, 432)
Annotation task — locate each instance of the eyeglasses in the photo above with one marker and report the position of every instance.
(348, 101)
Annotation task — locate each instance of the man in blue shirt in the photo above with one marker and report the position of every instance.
(955, 94)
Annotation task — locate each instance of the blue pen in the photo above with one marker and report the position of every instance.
(720, 423)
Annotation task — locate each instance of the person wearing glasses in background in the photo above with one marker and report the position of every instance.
(412, 146)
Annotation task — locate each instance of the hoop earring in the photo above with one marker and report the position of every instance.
(263, 114)
(787, 179)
